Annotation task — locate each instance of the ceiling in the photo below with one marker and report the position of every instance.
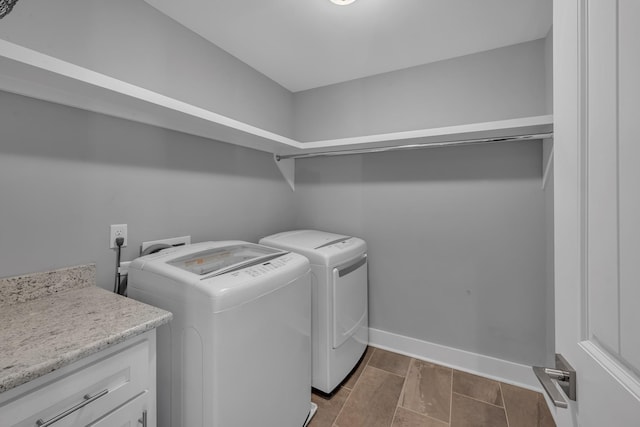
(303, 44)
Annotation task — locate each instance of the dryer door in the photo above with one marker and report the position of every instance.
(349, 299)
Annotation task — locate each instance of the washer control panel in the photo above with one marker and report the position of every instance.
(264, 268)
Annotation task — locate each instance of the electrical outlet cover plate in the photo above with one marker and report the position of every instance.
(117, 230)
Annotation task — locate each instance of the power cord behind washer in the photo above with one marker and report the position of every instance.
(116, 285)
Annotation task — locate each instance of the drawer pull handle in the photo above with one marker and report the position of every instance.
(87, 399)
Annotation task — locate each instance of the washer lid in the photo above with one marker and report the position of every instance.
(216, 261)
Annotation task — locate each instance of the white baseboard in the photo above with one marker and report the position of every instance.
(486, 366)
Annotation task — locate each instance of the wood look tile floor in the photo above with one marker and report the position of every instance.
(391, 390)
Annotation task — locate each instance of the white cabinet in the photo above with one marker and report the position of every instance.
(113, 387)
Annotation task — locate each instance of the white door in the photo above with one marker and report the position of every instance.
(597, 207)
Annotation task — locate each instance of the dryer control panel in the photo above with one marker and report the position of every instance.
(345, 243)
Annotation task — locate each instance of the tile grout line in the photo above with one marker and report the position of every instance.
(353, 388)
(423, 415)
(504, 403)
(395, 411)
(383, 370)
(364, 365)
(388, 371)
(478, 400)
(333, 424)
(342, 407)
(406, 376)
(451, 399)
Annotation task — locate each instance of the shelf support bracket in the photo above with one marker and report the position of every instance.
(287, 168)
(547, 154)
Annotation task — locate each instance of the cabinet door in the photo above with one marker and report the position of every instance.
(133, 414)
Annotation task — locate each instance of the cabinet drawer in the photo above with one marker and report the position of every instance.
(79, 397)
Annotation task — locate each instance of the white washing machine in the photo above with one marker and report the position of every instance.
(339, 321)
(238, 350)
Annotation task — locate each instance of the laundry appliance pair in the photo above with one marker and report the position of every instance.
(254, 326)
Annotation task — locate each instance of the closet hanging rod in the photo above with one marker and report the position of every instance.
(526, 137)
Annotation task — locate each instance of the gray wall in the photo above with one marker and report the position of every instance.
(499, 84)
(456, 235)
(456, 241)
(67, 174)
(130, 40)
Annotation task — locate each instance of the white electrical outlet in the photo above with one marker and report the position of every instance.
(117, 230)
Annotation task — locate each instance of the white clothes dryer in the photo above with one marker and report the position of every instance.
(238, 350)
(339, 300)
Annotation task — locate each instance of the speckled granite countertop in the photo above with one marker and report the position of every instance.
(45, 326)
